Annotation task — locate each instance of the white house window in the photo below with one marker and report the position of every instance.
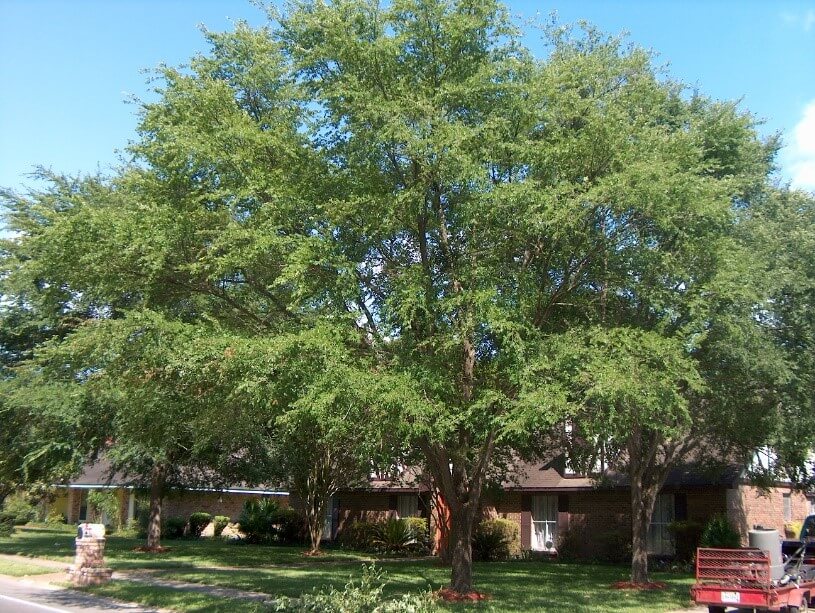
(328, 519)
(659, 537)
(544, 523)
(787, 508)
(407, 505)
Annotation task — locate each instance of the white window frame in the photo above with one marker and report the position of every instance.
(544, 522)
(659, 540)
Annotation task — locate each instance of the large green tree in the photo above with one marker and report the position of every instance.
(410, 177)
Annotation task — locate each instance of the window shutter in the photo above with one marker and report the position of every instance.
(563, 503)
(526, 521)
(680, 507)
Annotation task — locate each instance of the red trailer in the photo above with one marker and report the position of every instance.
(741, 578)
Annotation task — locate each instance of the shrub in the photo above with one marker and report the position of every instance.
(6, 523)
(393, 536)
(130, 529)
(291, 526)
(686, 535)
(55, 518)
(421, 535)
(571, 544)
(614, 546)
(197, 523)
(105, 502)
(174, 528)
(358, 535)
(19, 509)
(720, 534)
(362, 596)
(496, 539)
(219, 523)
(258, 519)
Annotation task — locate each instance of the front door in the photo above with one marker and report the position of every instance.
(544, 523)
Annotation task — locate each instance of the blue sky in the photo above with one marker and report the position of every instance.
(67, 67)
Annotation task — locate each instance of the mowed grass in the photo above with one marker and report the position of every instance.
(177, 600)
(516, 586)
(513, 586)
(121, 553)
(22, 569)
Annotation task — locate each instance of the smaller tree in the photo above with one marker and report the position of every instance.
(627, 389)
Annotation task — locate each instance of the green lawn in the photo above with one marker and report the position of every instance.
(22, 569)
(514, 586)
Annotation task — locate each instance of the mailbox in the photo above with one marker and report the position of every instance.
(90, 531)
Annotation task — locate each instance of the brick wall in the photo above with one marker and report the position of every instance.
(363, 506)
(752, 507)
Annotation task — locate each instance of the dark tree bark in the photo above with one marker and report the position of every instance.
(157, 480)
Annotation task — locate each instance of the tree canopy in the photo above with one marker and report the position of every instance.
(399, 211)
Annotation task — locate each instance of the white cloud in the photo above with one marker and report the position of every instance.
(801, 151)
(804, 21)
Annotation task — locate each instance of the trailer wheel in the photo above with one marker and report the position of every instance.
(715, 609)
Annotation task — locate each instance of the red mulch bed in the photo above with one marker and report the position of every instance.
(449, 595)
(628, 585)
(144, 549)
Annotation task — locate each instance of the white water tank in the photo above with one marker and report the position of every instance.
(769, 540)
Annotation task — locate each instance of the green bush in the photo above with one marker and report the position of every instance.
(362, 596)
(393, 536)
(686, 535)
(720, 534)
(219, 523)
(421, 535)
(291, 527)
(358, 535)
(105, 501)
(258, 519)
(6, 523)
(197, 523)
(55, 518)
(496, 539)
(174, 528)
(19, 508)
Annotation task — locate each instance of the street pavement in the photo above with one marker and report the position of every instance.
(26, 596)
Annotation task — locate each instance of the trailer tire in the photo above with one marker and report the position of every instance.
(715, 609)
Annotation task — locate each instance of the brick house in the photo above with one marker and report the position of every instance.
(550, 505)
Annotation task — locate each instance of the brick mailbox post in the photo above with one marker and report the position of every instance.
(89, 564)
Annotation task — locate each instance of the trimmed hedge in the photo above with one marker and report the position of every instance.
(197, 523)
(497, 539)
(219, 523)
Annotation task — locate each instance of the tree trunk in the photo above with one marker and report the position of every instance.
(642, 507)
(156, 500)
(315, 521)
(461, 550)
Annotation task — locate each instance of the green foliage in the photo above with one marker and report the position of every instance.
(290, 526)
(719, 533)
(358, 596)
(258, 518)
(173, 528)
(394, 535)
(219, 523)
(55, 518)
(687, 535)
(197, 522)
(358, 535)
(19, 508)
(420, 530)
(7, 523)
(107, 502)
(263, 520)
(496, 539)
